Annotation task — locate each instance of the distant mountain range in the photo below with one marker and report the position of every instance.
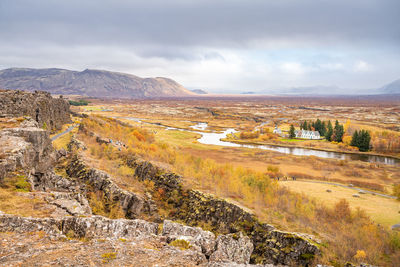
(96, 83)
(101, 83)
(391, 88)
(199, 91)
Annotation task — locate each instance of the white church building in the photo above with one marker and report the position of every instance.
(304, 134)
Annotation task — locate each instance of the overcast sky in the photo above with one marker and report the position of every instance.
(218, 45)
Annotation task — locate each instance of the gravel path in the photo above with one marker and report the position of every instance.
(66, 131)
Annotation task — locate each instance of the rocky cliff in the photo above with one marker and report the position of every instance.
(26, 147)
(48, 112)
(97, 83)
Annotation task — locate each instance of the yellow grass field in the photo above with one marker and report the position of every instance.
(382, 210)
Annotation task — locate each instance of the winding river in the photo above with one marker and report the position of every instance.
(215, 139)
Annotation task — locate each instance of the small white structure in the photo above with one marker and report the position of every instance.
(277, 131)
(304, 134)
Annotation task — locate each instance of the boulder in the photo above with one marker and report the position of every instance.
(73, 203)
(198, 237)
(26, 147)
(50, 181)
(80, 227)
(232, 248)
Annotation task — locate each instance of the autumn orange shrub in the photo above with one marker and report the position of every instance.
(139, 136)
(249, 135)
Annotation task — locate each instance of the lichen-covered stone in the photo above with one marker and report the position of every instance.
(232, 248)
(73, 203)
(79, 227)
(26, 147)
(203, 239)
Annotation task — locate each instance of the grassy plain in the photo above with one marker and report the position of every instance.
(382, 210)
(293, 205)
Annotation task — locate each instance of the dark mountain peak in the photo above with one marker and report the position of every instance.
(90, 82)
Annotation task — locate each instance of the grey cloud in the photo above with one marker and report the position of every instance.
(201, 23)
(170, 37)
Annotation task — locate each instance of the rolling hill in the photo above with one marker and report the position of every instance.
(391, 88)
(95, 83)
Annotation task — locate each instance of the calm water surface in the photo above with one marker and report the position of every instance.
(215, 139)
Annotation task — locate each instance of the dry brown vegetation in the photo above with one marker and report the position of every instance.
(344, 231)
(10, 123)
(15, 197)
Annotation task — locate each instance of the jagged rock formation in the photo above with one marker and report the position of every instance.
(270, 245)
(79, 227)
(73, 203)
(132, 204)
(196, 236)
(96, 83)
(232, 248)
(241, 237)
(226, 249)
(47, 111)
(26, 147)
(37, 249)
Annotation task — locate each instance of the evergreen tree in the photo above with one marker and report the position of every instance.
(304, 126)
(291, 132)
(361, 140)
(323, 129)
(329, 132)
(318, 125)
(365, 140)
(355, 139)
(339, 132)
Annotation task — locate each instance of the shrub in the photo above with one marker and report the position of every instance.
(107, 257)
(271, 168)
(342, 210)
(180, 243)
(249, 135)
(81, 102)
(139, 136)
(21, 184)
(396, 191)
(360, 255)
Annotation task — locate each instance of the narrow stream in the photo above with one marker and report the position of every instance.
(215, 139)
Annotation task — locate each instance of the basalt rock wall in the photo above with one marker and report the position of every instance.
(48, 112)
(26, 147)
(132, 204)
(197, 208)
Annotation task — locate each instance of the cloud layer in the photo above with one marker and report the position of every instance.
(221, 46)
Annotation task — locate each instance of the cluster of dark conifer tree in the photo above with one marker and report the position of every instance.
(361, 139)
(325, 129)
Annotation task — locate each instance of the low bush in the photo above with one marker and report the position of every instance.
(180, 243)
